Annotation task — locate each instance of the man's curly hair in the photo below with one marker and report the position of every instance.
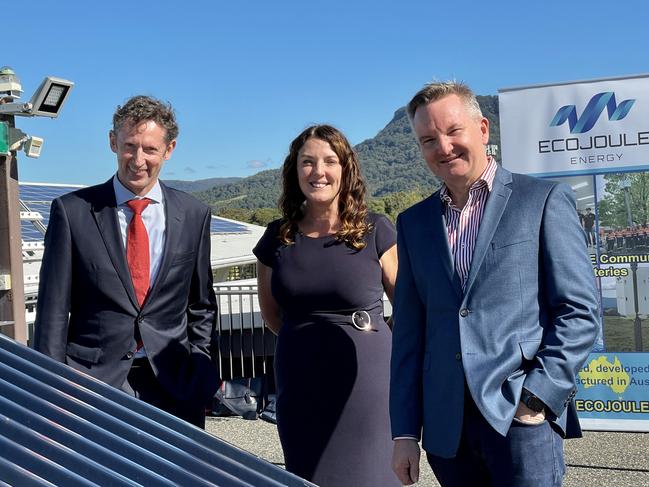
(144, 108)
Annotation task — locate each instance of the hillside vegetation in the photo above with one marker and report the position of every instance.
(200, 184)
(395, 173)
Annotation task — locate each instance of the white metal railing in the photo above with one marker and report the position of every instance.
(245, 346)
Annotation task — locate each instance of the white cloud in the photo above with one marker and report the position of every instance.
(256, 164)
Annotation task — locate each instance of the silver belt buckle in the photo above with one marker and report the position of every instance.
(361, 320)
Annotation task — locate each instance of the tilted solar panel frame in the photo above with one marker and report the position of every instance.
(38, 197)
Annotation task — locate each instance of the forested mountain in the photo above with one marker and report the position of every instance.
(390, 161)
(260, 190)
(200, 184)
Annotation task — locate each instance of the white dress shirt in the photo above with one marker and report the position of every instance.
(153, 217)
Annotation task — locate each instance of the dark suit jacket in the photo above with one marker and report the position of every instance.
(528, 316)
(87, 310)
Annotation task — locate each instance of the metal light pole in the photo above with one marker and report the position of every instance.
(46, 102)
(12, 291)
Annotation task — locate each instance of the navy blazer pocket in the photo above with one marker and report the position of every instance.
(509, 254)
(87, 354)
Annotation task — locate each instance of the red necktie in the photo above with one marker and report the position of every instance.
(137, 249)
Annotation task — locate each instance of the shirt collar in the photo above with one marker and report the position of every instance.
(486, 178)
(123, 194)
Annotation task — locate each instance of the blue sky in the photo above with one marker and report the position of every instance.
(247, 76)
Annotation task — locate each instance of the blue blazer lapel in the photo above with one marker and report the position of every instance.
(493, 212)
(174, 217)
(439, 237)
(104, 210)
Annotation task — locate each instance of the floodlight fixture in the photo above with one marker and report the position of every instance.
(47, 100)
(50, 97)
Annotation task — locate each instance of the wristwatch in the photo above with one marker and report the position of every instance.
(531, 401)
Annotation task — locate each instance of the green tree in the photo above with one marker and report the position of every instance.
(263, 216)
(376, 205)
(239, 214)
(394, 203)
(612, 208)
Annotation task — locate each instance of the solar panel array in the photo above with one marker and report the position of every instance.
(221, 226)
(38, 198)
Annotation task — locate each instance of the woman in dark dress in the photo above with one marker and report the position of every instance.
(322, 271)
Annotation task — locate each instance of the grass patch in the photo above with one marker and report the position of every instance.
(619, 334)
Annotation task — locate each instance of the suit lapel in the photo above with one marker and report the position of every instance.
(439, 237)
(493, 212)
(174, 217)
(104, 210)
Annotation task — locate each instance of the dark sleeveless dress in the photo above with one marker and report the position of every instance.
(332, 378)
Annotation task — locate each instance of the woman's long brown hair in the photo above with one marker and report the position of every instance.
(351, 199)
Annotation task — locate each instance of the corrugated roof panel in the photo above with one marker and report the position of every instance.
(60, 426)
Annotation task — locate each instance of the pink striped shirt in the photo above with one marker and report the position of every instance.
(463, 225)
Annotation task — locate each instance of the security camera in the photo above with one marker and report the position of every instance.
(14, 139)
(33, 146)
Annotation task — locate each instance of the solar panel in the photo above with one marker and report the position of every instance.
(222, 226)
(29, 232)
(45, 192)
(38, 197)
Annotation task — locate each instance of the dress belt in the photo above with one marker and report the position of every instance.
(359, 319)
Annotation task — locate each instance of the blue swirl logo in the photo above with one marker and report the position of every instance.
(592, 112)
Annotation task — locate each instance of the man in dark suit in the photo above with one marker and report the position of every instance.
(125, 290)
(495, 311)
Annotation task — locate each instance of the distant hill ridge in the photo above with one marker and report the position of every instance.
(200, 184)
(390, 162)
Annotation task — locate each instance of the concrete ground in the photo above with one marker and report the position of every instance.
(599, 459)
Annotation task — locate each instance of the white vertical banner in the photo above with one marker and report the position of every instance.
(588, 127)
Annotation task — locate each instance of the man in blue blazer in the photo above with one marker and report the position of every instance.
(495, 311)
(147, 332)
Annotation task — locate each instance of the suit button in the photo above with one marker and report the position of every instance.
(140, 319)
(458, 356)
(129, 355)
(464, 312)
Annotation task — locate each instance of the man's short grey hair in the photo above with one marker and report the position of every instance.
(439, 89)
